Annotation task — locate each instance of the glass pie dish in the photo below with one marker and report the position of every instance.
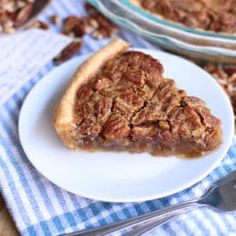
(196, 44)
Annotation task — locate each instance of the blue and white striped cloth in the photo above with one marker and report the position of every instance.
(38, 207)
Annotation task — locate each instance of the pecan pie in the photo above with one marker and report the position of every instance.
(213, 15)
(119, 100)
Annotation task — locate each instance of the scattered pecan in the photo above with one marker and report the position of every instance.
(105, 28)
(8, 27)
(69, 23)
(95, 24)
(23, 14)
(68, 52)
(98, 34)
(39, 24)
(73, 26)
(55, 19)
(90, 25)
(14, 14)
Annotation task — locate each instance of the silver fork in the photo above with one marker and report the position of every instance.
(220, 196)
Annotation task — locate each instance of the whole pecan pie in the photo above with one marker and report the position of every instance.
(212, 15)
(119, 100)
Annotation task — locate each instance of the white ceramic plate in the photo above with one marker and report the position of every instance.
(111, 176)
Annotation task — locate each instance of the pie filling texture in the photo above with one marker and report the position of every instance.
(212, 15)
(129, 106)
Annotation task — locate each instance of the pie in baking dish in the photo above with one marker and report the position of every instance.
(210, 15)
(119, 100)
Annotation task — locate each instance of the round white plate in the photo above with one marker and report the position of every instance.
(111, 176)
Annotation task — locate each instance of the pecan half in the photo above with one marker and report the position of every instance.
(104, 27)
(39, 24)
(68, 52)
(55, 19)
(23, 14)
(116, 128)
(74, 26)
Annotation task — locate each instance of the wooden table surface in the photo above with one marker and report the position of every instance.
(7, 227)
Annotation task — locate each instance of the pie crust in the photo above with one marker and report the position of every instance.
(119, 100)
(63, 118)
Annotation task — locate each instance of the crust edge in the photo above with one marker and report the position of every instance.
(63, 115)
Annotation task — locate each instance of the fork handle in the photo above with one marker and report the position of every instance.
(137, 221)
(144, 228)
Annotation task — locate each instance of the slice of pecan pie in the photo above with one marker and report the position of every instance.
(119, 100)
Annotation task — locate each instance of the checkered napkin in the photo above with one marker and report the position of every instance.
(38, 207)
